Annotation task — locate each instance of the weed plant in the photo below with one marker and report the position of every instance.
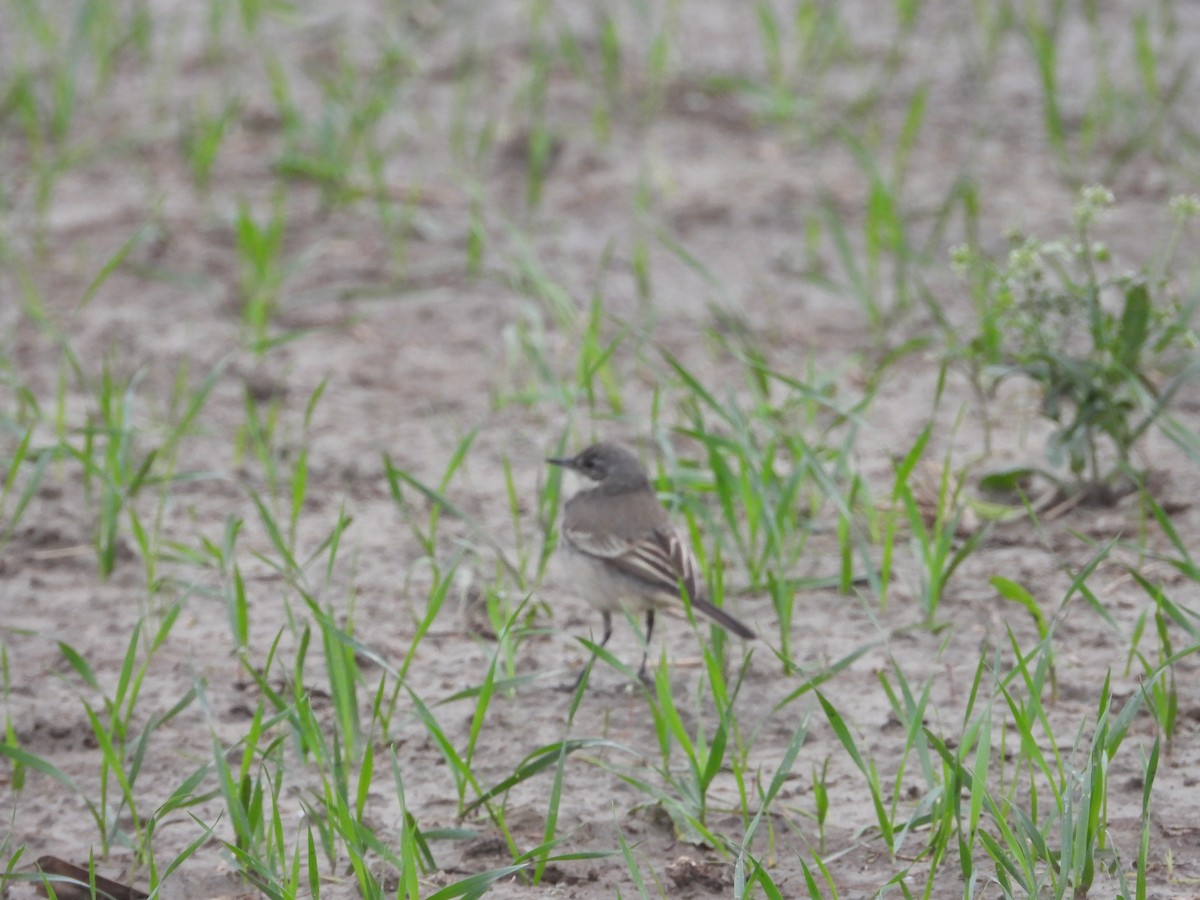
(1108, 349)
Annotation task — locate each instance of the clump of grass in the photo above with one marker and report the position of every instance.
(1124, 111)
(122, 733)
(1108, 348)
(933, 508)
(535, 365)
(260, 258)
(13, 503)
(118, 465)
(778, 459)
(203, 134)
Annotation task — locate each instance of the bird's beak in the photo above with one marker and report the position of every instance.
(564, 461)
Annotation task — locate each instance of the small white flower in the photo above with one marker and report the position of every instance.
(1184, 206)
(1092, 200)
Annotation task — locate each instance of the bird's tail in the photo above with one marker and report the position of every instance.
(724, 619)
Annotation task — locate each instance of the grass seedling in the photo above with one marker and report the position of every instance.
(1143, 860)
(539, 140)
(1041, 30)
(1014, 592)
(427, 536)
(1125, 110)
(611, 78)
(909, 710)
(326, 148)
(767, 797)
(542, 757)
(1054, 848)
(769, 480)
(23, 761)
(660, 24)
(706, 755)
(461, 762)
(603, 75)
(820, 789)
(185, 795)
(439, 502)
(886, 244)
(811, 681)
(260, 261)
(797, 55)
(47, 82)
(934, 523)
(17, 775)
(521, 546)
(883, 817)
(202, 138)
(538, 371)
(631, 863)
(108, 455)
(397, 218)
(596, 381)
(594, 363)
(123, 751)
(780, 98)
(259, 434)
(343, 763)
(262, 434)
(251, 796)
(476, 242)
(1162, 693)
(1028, 710)
(112, 448)
(1084, 805)
(414, 852)
(415, 856)
(37, 461)
(343, 675)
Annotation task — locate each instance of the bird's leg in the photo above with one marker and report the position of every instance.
(608, 626)
(646, 649)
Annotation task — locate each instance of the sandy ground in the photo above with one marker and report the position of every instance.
(415, 352)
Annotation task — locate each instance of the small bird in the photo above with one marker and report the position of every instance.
(621, 548)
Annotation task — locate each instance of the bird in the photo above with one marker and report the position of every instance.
(621, 548)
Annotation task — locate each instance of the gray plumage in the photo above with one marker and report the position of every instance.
(621, 548)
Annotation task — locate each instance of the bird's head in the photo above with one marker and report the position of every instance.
(605, 462)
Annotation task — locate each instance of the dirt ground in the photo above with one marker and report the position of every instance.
(415, 351)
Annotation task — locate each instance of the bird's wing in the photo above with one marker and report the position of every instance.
(659, 558)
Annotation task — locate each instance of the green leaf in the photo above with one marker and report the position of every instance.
(1135, 326)
(1008, 481)
(1010, 590)
(24, 758)
(80, 665)
(904, 470)
(539, 760)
